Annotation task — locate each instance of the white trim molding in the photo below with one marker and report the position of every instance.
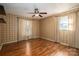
(19, 40)
(54, 41)
(48, 39)
(8, 42)
(64, 43)
(1, 46)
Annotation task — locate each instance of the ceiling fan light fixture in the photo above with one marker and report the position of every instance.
(36, 14)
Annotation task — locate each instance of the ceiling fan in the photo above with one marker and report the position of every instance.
(37, 13)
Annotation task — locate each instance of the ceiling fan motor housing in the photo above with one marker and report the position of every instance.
(36, 11)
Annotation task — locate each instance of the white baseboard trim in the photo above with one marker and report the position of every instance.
(48, 39)
(54, 41)
(8, 42)
(64, 43)
(19, 40)
(34, 37)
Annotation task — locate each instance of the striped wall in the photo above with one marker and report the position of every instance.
(50, 30)
(9, 31)
(46, 28)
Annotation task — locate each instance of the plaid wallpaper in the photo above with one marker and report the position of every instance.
(9, 30)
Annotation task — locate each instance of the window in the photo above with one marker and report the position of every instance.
(65, 23)
(28, 28)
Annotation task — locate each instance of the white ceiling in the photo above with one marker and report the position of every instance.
(50, 8)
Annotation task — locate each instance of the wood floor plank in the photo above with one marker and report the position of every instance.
(37, 47)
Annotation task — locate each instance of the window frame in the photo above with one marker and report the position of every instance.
(64, 24)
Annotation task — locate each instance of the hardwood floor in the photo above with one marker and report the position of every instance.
(37, 47)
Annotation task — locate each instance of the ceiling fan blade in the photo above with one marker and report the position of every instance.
(33, 15)
(40, 15)
(43, 13)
